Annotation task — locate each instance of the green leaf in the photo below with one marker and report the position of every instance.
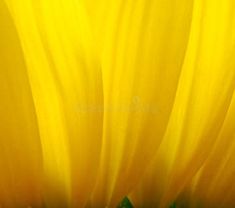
(125, 203)
(173, 205)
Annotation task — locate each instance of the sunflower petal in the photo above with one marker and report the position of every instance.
(141, 47)
(67, 88)
(202, 103)
(21, 154)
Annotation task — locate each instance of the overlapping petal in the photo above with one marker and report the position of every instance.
(143, 44)
(20, 149)
(201, 107)
(101, 96)
(66, 86)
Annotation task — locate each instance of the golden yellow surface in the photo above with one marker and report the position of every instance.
(102, 99)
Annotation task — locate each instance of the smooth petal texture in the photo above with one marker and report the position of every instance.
(21, 155)
(142, 46)
(201, 105)
(66, 84)
(213, 185)
(101, 99)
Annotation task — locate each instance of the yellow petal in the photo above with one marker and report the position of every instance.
(201, 105)
(142, 49)
(67, 88)
(21, 156)
(214, 182)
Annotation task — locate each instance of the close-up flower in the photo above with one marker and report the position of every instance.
(117, 103)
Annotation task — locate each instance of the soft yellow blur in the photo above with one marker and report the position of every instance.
(189, 167)
(20, 148)
(102, 99)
